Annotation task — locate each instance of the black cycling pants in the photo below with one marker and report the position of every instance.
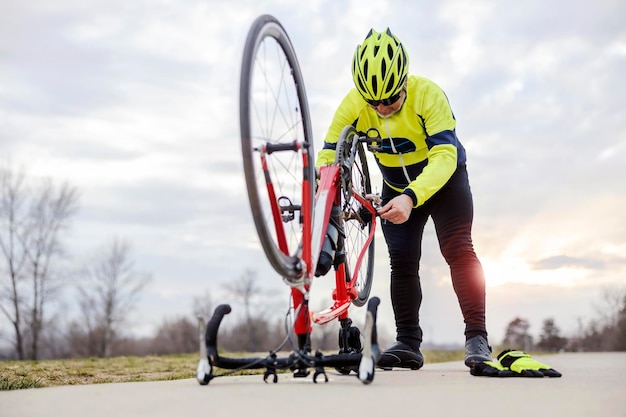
(451, 209)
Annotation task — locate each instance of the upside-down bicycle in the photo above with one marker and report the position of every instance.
(307, 221)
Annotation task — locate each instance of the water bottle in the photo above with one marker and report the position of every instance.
(328, 251)
(330, 246)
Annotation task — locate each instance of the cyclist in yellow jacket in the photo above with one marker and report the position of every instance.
(424, 175)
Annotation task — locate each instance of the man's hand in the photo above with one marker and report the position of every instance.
(397, 210)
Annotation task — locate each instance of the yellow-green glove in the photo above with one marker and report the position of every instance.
(523, 365)
(491, 368)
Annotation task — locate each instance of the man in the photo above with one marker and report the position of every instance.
(424, 175)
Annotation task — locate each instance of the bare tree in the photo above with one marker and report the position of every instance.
(620, 331)
(613, 318)
(12, 199)
(244, 290)
(48, 217)
(108, 294)
(33, 220)
(255, 331)
(202, 306)
(517, 336)
(611, 304)
(550, 338)
(175, 336)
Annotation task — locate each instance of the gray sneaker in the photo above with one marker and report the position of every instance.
(477, 349)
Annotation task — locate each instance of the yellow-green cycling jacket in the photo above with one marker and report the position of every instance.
(420, 150)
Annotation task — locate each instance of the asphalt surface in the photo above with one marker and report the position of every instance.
(593, 385)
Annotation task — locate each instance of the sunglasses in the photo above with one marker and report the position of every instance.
(385, 101)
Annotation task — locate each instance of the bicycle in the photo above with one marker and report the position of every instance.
(307, 221)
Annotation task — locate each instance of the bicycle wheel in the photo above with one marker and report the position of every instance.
(355, 179)
(276, 143)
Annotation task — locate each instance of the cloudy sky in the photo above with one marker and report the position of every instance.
(135, 104)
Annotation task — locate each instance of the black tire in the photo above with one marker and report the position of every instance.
(355, 176)
(273, 110)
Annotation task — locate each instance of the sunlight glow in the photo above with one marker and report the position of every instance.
(508, 270)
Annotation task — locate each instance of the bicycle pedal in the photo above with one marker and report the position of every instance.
(268, 373)
(354, 340)
(319, 371)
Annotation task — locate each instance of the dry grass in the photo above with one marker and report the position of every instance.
(37, 374)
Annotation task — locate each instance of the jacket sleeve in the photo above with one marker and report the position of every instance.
(346, 114)
(439, 125)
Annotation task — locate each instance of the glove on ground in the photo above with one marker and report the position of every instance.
(514, 363)
(522, 364)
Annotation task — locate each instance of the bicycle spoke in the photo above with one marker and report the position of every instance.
(359, 246)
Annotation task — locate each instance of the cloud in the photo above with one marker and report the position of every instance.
(564, 261)
(136, 105)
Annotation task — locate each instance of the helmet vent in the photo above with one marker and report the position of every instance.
(361, 86)
(390, 84)
(374, 85)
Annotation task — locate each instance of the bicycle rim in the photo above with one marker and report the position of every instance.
(355, 179)
(273, 111)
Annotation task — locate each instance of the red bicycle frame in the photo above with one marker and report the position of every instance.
(313, 233)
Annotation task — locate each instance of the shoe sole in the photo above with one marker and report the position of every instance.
(411, 364)
(471, 362)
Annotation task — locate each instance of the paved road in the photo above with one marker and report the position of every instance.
(593, 385)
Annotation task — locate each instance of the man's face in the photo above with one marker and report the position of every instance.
(386, 111)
